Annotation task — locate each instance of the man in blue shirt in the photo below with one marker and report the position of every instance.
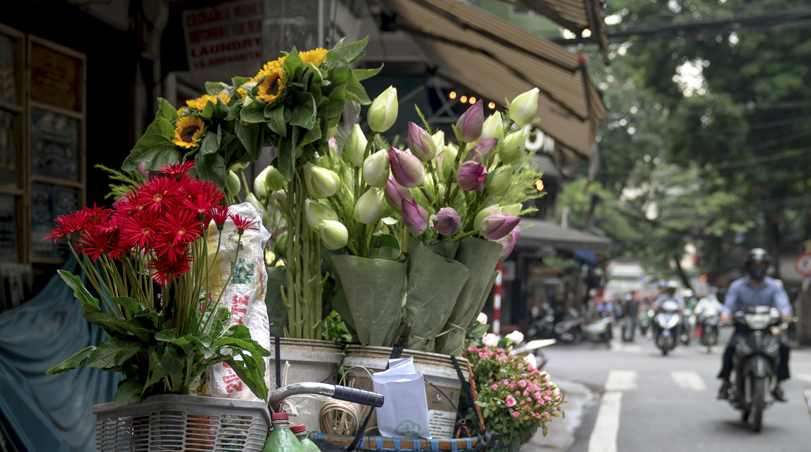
(756, 289)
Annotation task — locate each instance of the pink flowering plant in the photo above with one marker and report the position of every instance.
(514, 398)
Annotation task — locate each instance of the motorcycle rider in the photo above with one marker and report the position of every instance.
(708, 303)
(668, 295)
(755, 289)
(630, 312)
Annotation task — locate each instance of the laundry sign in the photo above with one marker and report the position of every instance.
(224, 40)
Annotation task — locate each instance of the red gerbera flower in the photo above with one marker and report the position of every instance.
(219, 214)
(68, 224)
(202, 197)
(158, 194)
(164, 270)
(243, 224)
(179, 227)
(141, 229)
(96, 245)
(130, 204)
(178, 169)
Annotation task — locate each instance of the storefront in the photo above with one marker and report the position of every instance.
(65, 105)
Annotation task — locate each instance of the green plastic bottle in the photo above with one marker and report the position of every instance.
(281, 439)
(307, 445)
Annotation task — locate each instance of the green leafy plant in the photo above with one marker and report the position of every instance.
(161, 287)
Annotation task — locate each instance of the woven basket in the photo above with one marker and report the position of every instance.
(182, 423)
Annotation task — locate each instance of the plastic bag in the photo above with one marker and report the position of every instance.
(244, 296)
(404, 413)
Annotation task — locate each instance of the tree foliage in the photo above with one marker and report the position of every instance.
(711, 124)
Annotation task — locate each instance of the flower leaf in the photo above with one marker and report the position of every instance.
(128, 303)
(166, 110)
(214, 88)
(73, 362)
(211, 167)
(89, 303)
(250, 137)
(277, 123)
(209, 144)
(112, 353)
(254, 112)
(129, 391)
(304, 113)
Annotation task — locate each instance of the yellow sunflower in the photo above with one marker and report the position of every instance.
(187, 131)
(242, 91)
(200, 103)
(180, 111)
(272, 87)
(315, 56)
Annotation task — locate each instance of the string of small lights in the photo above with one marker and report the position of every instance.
(472, 100)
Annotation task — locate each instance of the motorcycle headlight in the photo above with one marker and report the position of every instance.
(758, 321)
(667, 321)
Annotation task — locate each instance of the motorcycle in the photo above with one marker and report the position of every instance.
(543, 326)
(667, 323)
(598, 330)
(709, 328)
(688, 326)
(569, 329)
(646, 320)
(755, 361)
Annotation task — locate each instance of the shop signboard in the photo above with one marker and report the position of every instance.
(224, 40)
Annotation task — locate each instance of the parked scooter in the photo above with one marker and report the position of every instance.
(709, 328)
(569, 329)
(542, 326)
(667, 326)
(755, 361)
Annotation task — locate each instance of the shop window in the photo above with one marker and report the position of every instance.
(42, 144)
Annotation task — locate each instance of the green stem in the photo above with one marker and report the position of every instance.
(465, 235)
(452, 176)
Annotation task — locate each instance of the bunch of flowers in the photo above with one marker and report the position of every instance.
(293, 103)
(149, 258)
(420, 208)
(514, 398)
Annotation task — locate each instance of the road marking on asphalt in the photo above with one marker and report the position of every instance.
(615, 346)
(621, 380)
(632, 349)
(688, 380)
(604, 436)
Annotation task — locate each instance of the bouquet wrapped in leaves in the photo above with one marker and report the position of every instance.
(415, 235)
(148, 260)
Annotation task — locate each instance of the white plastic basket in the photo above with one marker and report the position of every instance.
(182, 423)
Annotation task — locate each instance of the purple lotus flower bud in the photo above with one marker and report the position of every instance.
(447, 221)
(396, 193)
(471, 176)
(469, 125)
(509, 244)
(497, 226)
(415, 217)
(406, 169)
(484, 150)
(142, 170)
(421, 144)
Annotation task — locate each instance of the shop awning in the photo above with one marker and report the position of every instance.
(538, 233)
(573, 15)
(499, 60)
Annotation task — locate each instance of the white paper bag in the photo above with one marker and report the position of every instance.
(404, 413)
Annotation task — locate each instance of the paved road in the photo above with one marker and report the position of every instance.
(646, 402)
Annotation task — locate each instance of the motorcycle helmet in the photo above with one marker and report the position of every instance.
(757, 263)
(687, 293)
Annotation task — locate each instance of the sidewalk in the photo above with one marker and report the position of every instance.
(561, 435)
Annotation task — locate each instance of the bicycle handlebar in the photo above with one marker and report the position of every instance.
(344, 393)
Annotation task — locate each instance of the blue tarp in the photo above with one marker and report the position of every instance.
(42, 413)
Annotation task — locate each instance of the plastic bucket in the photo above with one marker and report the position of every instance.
(310, 361)
(442, 385)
